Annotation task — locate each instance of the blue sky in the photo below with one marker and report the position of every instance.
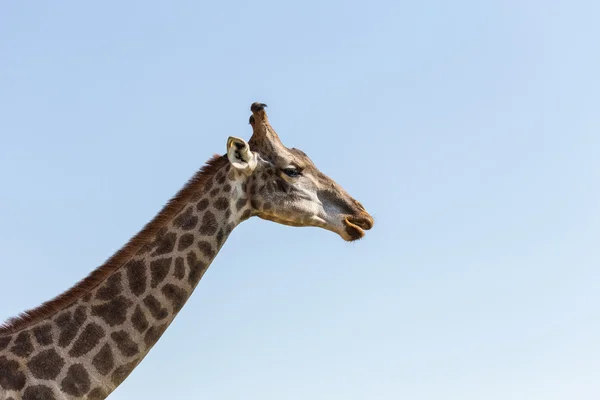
(468, 129)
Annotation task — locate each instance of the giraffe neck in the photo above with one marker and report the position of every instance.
(91, 346)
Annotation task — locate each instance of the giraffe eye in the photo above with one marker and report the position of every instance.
(291, 172)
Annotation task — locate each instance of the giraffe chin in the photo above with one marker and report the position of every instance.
(352, 233)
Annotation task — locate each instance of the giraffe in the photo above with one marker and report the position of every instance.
(85, 342)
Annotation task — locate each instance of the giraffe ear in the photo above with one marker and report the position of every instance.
(240, 156)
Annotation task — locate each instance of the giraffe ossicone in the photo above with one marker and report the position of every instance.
(85, 342)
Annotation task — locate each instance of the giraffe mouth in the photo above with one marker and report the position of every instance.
(355, 227)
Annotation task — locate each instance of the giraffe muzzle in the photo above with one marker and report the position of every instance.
(355, 226)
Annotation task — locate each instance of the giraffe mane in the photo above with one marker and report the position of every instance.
(120, 258)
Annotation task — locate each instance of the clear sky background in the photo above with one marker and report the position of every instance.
(469, 129)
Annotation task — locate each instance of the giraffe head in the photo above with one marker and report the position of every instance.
(285, 186)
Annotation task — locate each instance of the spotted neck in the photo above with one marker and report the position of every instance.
(90, 346)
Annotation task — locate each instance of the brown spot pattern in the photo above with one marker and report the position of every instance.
(241, 203)
(186, 220)
(176, 295)
(23, 346)
(166, 244)
(202, 205)
(179, 268)
(38, 392)
(69, 324)
(123, 372)
(114, 312)
(87, 340)
(97, 394)
(154, 334)
(4, 341)
(221, 203)
(185, 241)
(206, 249)
(220, 237)
(209, 224)
(157, 241)
(77, 382)
(196, 268)
(11, 377)
(136, 275)
(155, 308)
(46, 365)
(111, 288)
(104, 361)
(43, 334)
(138, 319)
(159, 269)
(124, 343)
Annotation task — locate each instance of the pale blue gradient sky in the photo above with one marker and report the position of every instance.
(469, 129)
